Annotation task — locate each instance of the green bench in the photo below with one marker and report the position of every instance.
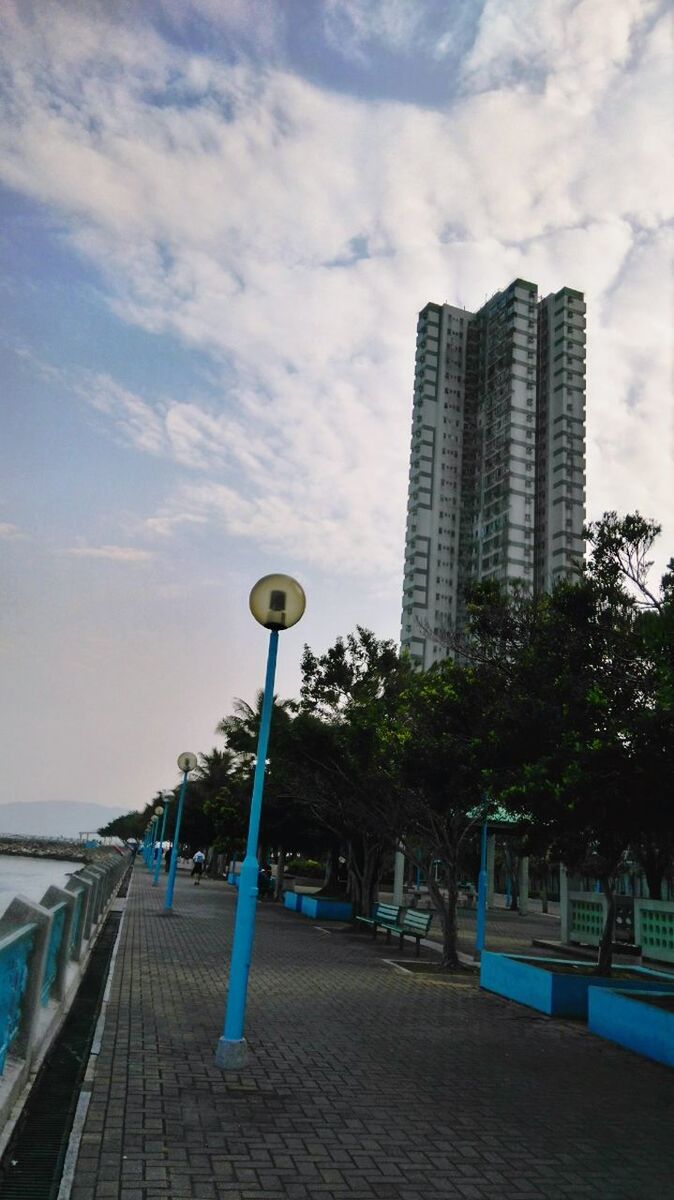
(384, 916)
(414, 923)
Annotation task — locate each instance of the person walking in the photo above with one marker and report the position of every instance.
(167, 859)
(198, 869)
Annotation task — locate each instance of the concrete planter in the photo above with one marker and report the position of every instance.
(627, 1019)
(536, 983)
(293, 901)
(323, 909)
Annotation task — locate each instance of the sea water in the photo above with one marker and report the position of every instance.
(30, 877)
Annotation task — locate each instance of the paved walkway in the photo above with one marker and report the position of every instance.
(363, 1082)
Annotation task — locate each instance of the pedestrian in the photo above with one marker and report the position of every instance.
(167, 859)
(262, 884)
(198, 868)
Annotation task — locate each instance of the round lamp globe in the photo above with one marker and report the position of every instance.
(277, 601)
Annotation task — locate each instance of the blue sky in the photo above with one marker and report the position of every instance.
(219, 220)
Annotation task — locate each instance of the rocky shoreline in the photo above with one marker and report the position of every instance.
(57, 848)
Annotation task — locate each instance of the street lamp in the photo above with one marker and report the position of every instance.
(153, 843)
(277, 602)
(186, 762)
(166, 798)
(149, 842)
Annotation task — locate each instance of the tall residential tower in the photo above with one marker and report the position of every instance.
(497, 463)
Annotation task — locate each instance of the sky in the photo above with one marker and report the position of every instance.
(219, 221)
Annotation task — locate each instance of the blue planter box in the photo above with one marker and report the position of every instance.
(293, 901)
(533, 981)
(327, 910)
(627, 1019)
(233, 879)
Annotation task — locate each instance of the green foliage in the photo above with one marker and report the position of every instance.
(131, 825)
(310, 868)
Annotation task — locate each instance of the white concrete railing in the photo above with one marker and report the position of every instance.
(44, 949)
(585, 917)
(654, 928)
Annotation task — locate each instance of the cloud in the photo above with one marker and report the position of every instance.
(356, 29)
(221, 204)
(11, 533)
(134, 420)
(572, 48)
(122, 554)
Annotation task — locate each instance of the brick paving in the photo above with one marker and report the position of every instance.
(363, 1082)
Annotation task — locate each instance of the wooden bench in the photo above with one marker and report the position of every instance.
(414, 924)
(384, 916)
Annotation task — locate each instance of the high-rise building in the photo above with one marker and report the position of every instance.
(497, 462)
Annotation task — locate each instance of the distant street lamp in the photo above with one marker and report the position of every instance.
(150, 841)
(166, 798)
(186, 762)
(277, 602)
(155, 829)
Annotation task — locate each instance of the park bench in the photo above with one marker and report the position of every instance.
(388, 916)
(384, 916)
(415, 924)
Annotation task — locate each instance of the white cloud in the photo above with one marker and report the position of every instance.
(11, 533)
(293, 233)
(359, 29)
(122, 554)
(574, 48)
(134, 420)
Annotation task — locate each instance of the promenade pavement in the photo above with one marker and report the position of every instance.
(363, 1082)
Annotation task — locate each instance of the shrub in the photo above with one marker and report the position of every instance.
(309, 867)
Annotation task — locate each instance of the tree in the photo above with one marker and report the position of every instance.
(584, 716)
(217, 792)
(438, 750)
(346, 694)
(285, 821)
(622, 547)
(131, 825)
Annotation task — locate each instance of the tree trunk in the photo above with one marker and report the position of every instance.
(544, 890)
(364, 864)
(280, 873)
(655, 877)
(605, 957)
(331, 885)
(446, 910)
(515, 893)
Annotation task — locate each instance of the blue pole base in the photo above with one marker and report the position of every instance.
(230, 1054)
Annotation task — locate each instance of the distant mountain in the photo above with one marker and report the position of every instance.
(55, 818)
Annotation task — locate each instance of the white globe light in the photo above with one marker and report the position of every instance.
(187, 761)
(159, 810)
(277, 601)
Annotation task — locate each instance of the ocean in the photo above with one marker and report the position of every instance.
(31, 876)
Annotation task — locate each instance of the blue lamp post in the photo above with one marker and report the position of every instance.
(148, 841)
(186, 762)
(277, 602)
(153, 837)
(166, 800)
(155, 854)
